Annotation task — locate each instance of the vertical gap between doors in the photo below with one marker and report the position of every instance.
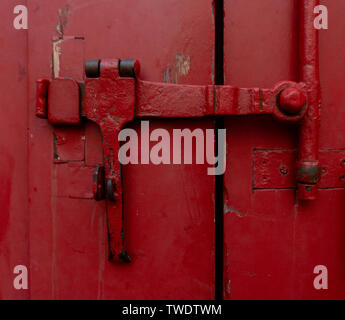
(219, 124)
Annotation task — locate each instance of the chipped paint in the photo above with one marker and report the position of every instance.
(230, 209)
(63, 20)
(167, 75)
(56, 57)
(182, 66)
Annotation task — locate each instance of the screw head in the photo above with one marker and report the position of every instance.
(284, 170)
(292, 100)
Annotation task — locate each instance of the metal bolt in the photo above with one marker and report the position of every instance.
(292, 100)
(284, 170)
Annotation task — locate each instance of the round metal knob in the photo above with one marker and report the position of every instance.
(292, 100)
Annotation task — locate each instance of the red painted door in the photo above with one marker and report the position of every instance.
(273, 242)
(48, 213)
(13, 153)
(49, 220)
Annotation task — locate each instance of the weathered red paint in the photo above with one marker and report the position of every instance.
(64, 103)
(42, 98)
(308, 163)
(113, 101)
(231, 100)
(272, 241)
(277, 169)
(292, 100)
(109, 101)
(162, 100)
(68, 235)
(14, 136)
(170, 101)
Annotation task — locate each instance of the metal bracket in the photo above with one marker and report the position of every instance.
(277, 169)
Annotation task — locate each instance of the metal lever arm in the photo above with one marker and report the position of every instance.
(109, 101)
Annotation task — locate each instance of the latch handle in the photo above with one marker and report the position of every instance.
(109, 101)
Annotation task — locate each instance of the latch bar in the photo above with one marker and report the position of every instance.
(112, 101)
(308, 166)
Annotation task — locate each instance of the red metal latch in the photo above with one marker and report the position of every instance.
(113, 96)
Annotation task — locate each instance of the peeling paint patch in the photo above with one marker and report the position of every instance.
(63, 19)
(56, 156)
(182, 66)
(167, 75)
(56, 57)
(230, 209)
